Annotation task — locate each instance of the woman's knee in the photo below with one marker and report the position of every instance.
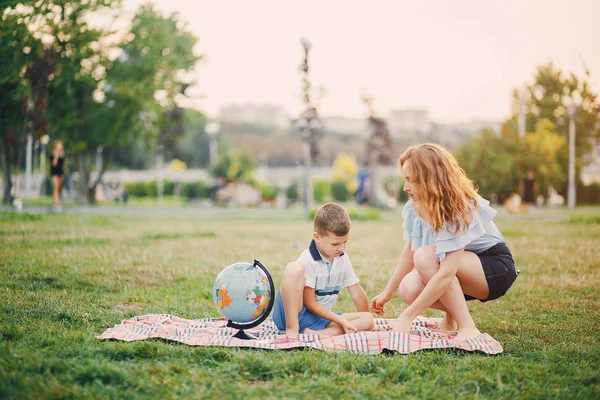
(409, 291)
(425, 260)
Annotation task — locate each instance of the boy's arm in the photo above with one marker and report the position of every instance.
(359, 297)
(312, 305)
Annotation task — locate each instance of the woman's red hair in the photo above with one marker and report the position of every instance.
(446, 194)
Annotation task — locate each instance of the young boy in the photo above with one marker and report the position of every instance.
(310, 285)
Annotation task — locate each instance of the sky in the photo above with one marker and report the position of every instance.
(458, 59)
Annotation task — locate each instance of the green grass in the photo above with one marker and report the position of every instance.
(66, 278)
(138, 202)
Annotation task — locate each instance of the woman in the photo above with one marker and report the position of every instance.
(454, 251)
(57, 172)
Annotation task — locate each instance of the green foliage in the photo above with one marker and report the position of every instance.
(321, 190)
(81, 66)
(267, 190)
(169, 187)
(94, 99)
(548, 98)
(541, 154)
(496, 164)
(18, 49)
(339, 191)
(138, 189)
(194, 142)
(345, 169)
(152, 188)
(191, 190)
(237, 166)
(195, 190)
(488, 160)
(292, 192)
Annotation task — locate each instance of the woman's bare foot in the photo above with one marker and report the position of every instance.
(464, 334)
(448, 324)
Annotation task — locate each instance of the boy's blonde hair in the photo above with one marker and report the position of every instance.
(331, 217)
(447, 194)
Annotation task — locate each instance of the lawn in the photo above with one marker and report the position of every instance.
(66, 278)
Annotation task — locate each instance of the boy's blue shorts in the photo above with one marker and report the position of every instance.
(306, 319)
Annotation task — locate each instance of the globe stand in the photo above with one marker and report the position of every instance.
(240, 333)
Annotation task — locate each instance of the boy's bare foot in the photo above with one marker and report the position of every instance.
(308, 331)
(464, 334)
(291, 332)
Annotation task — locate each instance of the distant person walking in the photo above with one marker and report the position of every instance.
(57, 172)
(362, 191)
(529, 188)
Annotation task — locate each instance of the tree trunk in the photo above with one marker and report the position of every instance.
(7, 197)
(91, 195)
(93, 185)
(84, 177)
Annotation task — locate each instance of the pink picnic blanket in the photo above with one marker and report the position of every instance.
(213, 332)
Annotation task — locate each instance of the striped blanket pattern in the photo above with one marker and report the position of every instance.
(213, 332)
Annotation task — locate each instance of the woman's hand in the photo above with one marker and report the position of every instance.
(402, 325)
(379, 301)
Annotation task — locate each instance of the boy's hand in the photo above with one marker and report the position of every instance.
(347, 326)
(378, 302)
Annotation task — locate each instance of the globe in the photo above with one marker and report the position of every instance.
(243, 293)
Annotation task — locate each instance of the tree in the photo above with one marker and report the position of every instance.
(235, 167)
(18, 49)
(546, 99)
(377, 147)
(194, 143)
(81, 64)
(497, 163)
(101, 101)
(541, 151)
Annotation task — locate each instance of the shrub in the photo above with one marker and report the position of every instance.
(321, 190)
(138, 189)
(292, 192)
(339, 192)
(195, 190)
(169, 188)
(267, 191)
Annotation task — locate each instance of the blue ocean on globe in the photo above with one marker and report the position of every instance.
(242, 293)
